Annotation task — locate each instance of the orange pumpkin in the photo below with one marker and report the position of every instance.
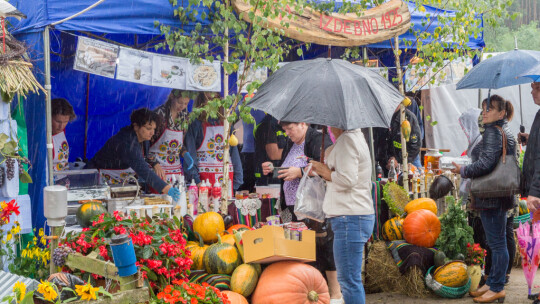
(421, 228)
(291, 282)
(208, 225)
(235, 298)
(228, 238)
(238, 227)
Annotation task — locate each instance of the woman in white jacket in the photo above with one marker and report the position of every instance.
(349, 207)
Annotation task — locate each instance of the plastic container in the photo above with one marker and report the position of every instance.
(124, 255)
(193, 196)
(55, 205)
(433, 156)
(203, 197)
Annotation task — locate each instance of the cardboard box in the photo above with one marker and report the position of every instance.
(268, 244)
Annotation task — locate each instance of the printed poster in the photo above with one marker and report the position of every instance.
(134, 66)
(96, 57)
(169, 71)
(204, 77)
(260, 75)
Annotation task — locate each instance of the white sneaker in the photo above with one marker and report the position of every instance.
(337, 301)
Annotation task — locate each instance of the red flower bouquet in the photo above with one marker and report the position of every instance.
(159, 245)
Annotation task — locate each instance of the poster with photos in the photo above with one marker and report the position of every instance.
(96, 57)
(169, 71)
(260, 75)
(134, 66)
(204, 77)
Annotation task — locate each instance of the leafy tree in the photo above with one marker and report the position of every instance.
(503, 38)
(231, 40)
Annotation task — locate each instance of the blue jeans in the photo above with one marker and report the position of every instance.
(351, 232)
(494, 222)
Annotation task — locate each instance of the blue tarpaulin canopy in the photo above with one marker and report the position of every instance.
(103, 103)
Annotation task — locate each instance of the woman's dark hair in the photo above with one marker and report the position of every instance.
(60, 106)
(498, 103)
(201, 100)
(142, 116)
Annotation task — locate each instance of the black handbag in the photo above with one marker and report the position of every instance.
(503, 181)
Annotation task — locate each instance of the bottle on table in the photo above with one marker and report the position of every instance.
(379, 172)
(193, 196)
(392, 174)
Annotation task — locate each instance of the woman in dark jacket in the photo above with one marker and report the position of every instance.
(493, 210)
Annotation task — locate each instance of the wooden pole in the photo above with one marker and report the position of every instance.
(55, 239)
(404, 155)
(226, 186)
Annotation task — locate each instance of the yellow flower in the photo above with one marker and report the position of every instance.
(43, 241)
(86, 292)
(16, 229)
(48, 291)
(8, 237)
(20, 290)
(41, 233)
(24, 253)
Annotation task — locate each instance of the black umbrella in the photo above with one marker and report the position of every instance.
(330, 92)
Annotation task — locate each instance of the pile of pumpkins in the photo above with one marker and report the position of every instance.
(419, 225)
(220, 253)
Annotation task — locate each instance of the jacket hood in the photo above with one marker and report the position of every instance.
(469, 124)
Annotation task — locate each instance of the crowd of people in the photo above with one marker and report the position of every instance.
(163, 143)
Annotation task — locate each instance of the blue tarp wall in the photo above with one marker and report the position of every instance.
(110, 101)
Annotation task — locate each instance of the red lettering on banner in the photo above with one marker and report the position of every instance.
(367, 27)
(346, 27)
(336, 20)
(360, 27)
(374, 27)
(326, 28)
(396, 15)
(357, 28)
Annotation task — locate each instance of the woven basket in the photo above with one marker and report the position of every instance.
(445, 291)
(522, 219)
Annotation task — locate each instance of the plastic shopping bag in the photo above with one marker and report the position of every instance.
(310, 197)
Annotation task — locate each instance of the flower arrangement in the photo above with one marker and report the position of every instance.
(49, 292)
(159, 245)
(475, 254)
(8, 240)
(33, 261)
(190, 293)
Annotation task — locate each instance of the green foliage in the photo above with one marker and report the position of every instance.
(455, 230)
(502, 38)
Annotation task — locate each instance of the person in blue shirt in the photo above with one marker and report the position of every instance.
(205, 139)
(125, 153)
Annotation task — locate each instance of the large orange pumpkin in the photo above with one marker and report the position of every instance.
(235, 298)
(208, 225)
(291, 282)
(421, 228)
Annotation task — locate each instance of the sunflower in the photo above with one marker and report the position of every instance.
(20, 290)
(86, 292)
(48, 291)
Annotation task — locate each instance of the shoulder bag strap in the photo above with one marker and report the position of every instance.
(504, 143)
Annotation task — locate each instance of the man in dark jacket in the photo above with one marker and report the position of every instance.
(388, 141)
(531, 162)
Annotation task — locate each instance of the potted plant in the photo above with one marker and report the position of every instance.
(474, 261)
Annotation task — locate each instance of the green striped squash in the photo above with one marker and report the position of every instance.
(87, 211)
(221, 258)
(393, 229)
